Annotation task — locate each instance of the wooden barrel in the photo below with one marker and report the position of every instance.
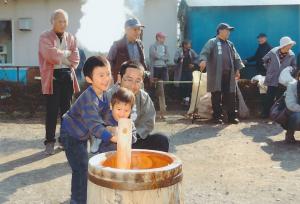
(154, 177)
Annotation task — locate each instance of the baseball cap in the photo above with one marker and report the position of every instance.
(133, 23)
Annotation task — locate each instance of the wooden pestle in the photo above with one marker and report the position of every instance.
(124, 141)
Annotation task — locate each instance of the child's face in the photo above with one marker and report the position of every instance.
(101, 78)
(121, 110)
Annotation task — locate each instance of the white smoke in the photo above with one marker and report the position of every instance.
(136, 7)
(102, 22)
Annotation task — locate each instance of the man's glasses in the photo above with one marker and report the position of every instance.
(131, 81)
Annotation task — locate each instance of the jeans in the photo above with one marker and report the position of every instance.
(156, 141)
(60, 100)
(294, 121)
(77, 156)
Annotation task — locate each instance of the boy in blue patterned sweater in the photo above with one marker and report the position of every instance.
(84, 119)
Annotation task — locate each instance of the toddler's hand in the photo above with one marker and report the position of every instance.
(113, 139)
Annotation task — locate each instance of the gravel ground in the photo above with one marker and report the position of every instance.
(245, 163)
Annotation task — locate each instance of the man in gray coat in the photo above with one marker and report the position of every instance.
(222, 63)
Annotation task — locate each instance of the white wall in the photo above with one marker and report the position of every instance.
(25, 43)
(160, 16)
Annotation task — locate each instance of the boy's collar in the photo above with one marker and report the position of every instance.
(93, 91)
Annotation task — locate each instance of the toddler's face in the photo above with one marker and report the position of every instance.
(121, 110)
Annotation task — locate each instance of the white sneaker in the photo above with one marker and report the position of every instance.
(50, 148)
(95, 142)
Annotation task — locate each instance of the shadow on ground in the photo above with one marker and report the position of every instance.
(262, 130)
(11, 165)
(287, 154)
(194, 134)
(12, 145)
(11, 184)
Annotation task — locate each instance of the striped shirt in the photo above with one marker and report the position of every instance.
(85, 117)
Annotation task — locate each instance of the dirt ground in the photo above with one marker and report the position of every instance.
(245, 163)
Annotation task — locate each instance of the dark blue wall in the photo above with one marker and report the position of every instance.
(275, 21)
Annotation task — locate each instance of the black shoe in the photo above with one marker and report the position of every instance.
(233, 121)
(289, 138)
(290, 141)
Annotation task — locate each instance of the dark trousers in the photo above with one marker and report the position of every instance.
(186, 88)
(224, 98)
(161, 73)
(272, 94)
(59, 101)
(77, 156)
(156, 141)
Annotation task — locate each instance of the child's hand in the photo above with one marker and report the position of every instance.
(113, 139)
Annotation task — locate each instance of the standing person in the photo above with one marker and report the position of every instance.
(143, 112)
(58, 58)
(263, 48)
(185, 60)
(83, 120)
(222, 63)
(275, 61)
(159, 56)
(130, 47)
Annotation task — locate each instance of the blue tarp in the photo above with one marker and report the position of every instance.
(10, 74)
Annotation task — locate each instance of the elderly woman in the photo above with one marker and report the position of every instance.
(292, 100)
(275, 61)
(58, 59)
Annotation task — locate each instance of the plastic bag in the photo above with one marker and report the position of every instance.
(243, 109)
(285, 76)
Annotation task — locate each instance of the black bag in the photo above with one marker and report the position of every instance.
(279, 112)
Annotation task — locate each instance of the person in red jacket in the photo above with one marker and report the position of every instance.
(58, 58)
